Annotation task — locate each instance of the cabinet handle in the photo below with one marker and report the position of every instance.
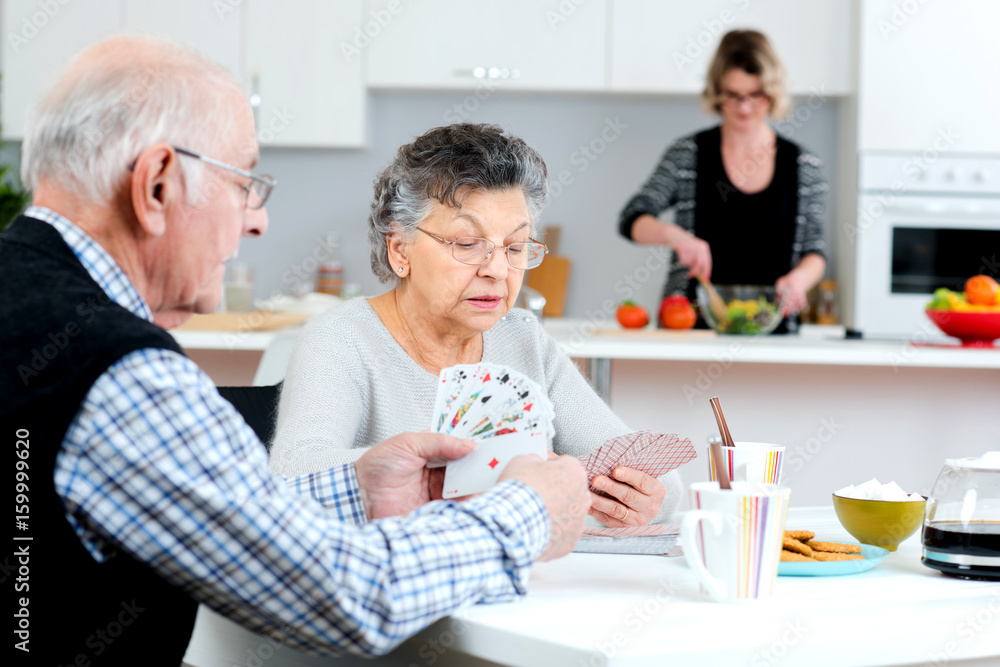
(491, 73)
(255, 97)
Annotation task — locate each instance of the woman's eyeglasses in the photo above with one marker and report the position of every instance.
(755, 98)
(477, 251)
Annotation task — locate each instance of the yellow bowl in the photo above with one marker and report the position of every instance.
(883, 523)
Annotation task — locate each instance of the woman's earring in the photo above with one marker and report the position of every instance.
(400, 269)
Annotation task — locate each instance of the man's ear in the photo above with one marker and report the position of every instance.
(157, 186)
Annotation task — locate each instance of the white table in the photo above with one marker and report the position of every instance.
(625, 611)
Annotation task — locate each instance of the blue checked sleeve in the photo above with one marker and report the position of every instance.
(157, 464)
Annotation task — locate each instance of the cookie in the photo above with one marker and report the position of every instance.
(800, 535)
(790, 544)
(834, 547)
(793, 557)
(830, 556)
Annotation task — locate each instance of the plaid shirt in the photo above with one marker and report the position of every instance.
(157, 464)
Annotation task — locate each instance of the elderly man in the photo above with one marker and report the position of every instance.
(144, 492)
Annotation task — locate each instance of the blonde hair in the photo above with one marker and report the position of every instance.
(750, 51)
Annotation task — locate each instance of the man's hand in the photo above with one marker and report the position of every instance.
(562, 484)
(394, 477)
(635, 498)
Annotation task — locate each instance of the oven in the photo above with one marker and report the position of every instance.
(924, 221)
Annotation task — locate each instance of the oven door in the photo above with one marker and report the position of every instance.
(909, 246)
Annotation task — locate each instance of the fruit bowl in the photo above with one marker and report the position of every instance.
(751, 310)
(973, 329)
(882, 523)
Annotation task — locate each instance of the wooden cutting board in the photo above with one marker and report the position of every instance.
(551, 279)
(259, 320)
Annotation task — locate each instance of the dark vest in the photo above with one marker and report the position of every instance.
(59, 332)
(751, 236)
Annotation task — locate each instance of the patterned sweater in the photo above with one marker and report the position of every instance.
(673, 182)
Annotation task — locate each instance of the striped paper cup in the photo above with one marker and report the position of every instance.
(756, 462)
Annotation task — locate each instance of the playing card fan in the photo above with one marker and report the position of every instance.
(504, 412)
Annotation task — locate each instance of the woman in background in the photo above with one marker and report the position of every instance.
(748, 204)
(451, 231)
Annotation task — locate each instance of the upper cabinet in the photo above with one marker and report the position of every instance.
(666, 45)
(922, 83)
(39, 38)
(549, 45)
(213, 27)
(305, 90)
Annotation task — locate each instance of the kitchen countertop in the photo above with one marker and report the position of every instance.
(583, 340)
(814, 345)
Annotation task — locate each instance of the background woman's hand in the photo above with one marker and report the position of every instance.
(695, 254)
(636, 498)
(791, 289)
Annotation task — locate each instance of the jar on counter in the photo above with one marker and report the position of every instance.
(826, 305)
(330, 274)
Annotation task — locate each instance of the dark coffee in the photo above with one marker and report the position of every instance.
(969, 550)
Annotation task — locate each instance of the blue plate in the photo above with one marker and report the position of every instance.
(873, 556)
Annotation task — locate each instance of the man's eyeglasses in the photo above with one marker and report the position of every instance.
(755, 98)
(477, 251)
(257, 190)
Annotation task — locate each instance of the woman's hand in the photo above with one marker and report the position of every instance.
(636, 498)
(695, 254)
(791, 289)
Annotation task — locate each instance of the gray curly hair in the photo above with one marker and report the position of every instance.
(443, 165)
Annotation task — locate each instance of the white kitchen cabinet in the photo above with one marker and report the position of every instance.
(307, 90)
(666, 46)
(212, 27)
(927, 81)
(39, 38)
(512, 44)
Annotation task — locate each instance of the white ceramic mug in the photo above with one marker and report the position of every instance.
(756, 462)
(732, 539)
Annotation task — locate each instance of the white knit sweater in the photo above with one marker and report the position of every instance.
(350, 385)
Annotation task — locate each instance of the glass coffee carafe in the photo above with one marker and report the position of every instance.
(961, 534)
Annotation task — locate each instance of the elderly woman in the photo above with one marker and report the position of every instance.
(748, 203)
(451, 231)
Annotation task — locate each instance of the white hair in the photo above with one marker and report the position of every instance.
(90, 124)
